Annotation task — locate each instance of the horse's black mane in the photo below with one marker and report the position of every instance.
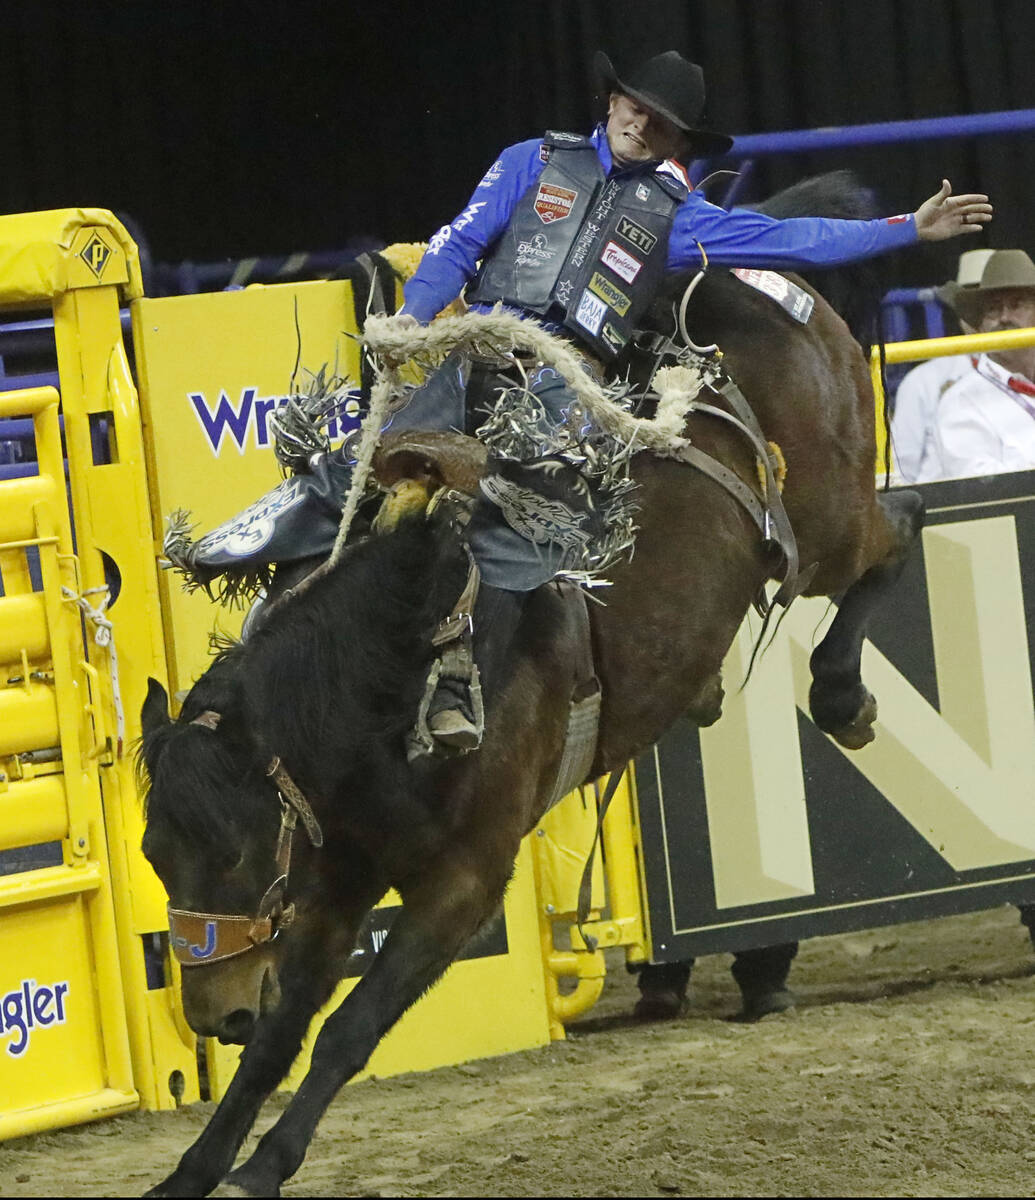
(331, 677)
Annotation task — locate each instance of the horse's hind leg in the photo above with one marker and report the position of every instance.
(838, 700)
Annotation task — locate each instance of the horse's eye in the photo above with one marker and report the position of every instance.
(230, 861)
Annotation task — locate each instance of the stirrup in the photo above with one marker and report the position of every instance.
(450, 730)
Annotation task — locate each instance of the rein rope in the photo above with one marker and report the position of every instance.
(500, 335)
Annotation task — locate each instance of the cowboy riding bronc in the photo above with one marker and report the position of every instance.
(578, 231)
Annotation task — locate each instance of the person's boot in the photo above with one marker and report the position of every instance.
(761, 976)
(1027, 912)
(663, 990)
(451, 715)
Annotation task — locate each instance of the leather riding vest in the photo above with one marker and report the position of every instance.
(584, 250)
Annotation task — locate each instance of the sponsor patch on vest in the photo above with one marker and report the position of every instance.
(642, 191)
(554, 203)
(601, 286)
(534, 252)
(624, 264)
(789, 296)
(636, 235)
(590, 312)
(613, 338)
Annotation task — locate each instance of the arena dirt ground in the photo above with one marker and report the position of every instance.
(906, 1070)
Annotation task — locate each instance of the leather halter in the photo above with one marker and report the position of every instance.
(199, 938)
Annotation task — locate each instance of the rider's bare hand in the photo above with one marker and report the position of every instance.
(946, 216)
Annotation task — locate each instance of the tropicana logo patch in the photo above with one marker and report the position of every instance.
(554, 203)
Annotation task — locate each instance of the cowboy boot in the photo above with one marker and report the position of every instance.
(663, 990)
(761, 975)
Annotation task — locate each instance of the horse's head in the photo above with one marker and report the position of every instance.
(214, 836)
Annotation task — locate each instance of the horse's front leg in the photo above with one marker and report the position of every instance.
(267, 1058)
(437, 920)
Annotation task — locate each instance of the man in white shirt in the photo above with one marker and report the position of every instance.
(986, 419)
(917, 398)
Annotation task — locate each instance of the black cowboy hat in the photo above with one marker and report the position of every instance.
(673, 87)
(985, 272)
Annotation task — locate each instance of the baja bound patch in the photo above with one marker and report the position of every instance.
(590, 312)
(789, 296)
(554, 203)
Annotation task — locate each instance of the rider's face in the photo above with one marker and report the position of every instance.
(637, 134)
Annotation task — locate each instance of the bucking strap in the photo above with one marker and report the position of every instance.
(580, 735)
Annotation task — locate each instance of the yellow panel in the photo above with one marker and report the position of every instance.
(210, 369)
(564, 838)
(44, 952)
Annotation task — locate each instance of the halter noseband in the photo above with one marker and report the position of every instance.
(200, 938)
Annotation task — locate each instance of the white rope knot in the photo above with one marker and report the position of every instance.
(104, 636)
(103, 626)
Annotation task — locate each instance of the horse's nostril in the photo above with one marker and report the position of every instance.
(237, 1028)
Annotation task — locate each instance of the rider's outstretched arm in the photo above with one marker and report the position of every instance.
(744, 238)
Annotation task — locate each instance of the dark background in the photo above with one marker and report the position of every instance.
(232, 129)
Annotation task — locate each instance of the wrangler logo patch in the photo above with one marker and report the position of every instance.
(554, 203)
(624, 265)
(601, 286)
(636, 235)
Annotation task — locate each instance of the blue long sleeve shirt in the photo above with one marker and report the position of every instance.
(738, 237)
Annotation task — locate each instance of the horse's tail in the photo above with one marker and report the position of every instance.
(853, 291)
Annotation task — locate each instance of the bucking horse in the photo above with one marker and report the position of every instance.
(307, 720)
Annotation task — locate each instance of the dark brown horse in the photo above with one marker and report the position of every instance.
(330, 682)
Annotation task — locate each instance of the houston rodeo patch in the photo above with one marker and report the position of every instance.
(554, 203)
(789, 296)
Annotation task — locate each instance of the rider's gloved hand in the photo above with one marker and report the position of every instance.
(396, 337)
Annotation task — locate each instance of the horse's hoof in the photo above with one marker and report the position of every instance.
(706, 708)
(858, 733)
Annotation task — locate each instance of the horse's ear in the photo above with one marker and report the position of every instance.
(155, 710)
